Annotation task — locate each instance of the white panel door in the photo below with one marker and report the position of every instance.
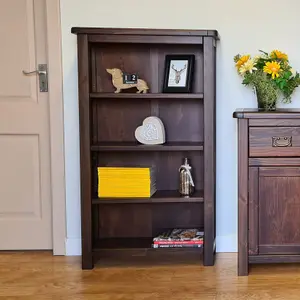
(25, 193)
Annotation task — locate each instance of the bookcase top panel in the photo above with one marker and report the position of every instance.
(145, 32)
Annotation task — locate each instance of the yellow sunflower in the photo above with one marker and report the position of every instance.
(272, 68)
(242, 60)
(278, 54)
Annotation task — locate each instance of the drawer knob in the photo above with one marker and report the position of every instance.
(282, 141)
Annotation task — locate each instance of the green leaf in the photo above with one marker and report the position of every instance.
(287, 74)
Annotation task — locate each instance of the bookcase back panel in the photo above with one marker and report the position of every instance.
(116, 120)
(166, 164)
(124, 220)
(183, 121)
(179, 215)
(164, 50)
(147, 60)
(126, 57)
(145, 220)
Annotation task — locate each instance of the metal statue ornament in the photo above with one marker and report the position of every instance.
(186, 182)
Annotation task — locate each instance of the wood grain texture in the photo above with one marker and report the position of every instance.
(135, 146)
(279, 172)
(279, 210)
(153, 95)
(274, 161)
(182, 118)
(273, 122)
(146, 220)
(253, 210)
(133, 39)
(274, 259)
(242, 197)
(261, 141)
(84, 116)
(158, 197)
(279, 113)
(293, 249)
(209, 86)
(143, 31)
(41, 276)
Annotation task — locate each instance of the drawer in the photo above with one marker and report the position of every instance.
(274, 141)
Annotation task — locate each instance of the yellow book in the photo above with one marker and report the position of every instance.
(126, 182)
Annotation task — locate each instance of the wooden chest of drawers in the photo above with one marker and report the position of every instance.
(268, 187)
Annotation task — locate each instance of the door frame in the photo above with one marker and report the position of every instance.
(56, 112)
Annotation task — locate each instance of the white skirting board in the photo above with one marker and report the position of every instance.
(226, 243)
(73, 247)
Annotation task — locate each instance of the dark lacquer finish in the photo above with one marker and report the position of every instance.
(108, 121)
(85, 157)
(158, 197)
(209, 149)
(269, 187)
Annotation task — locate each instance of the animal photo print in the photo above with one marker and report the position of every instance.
(178, 73)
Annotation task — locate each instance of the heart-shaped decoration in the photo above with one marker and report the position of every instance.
(152, 132)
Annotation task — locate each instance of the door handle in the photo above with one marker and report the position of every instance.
(282, 141)
(36, 71)
(43, 76)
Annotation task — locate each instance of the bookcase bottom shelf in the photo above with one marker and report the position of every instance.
(129, 243)
(122, 251)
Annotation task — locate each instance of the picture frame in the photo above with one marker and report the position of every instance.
(178, 73)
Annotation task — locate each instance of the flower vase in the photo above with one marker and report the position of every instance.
(266, 100)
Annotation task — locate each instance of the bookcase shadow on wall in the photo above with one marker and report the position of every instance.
(107, 125)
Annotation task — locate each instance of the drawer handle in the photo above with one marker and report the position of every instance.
(282, 141)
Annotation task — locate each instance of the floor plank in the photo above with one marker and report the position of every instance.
(39, 275)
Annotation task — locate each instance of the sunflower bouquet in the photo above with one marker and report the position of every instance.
(270, 75)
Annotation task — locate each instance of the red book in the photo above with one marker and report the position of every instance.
(195, 242)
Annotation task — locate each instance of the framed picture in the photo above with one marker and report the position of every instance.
(178, 76)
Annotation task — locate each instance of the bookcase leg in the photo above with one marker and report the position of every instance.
(208, 256)
(87, 262)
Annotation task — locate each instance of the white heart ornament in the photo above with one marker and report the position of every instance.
(152, 132)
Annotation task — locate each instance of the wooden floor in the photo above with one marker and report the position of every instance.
(42, 276)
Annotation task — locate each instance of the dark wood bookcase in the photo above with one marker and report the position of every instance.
(107, 125)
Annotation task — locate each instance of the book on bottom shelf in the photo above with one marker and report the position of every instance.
(179, 238)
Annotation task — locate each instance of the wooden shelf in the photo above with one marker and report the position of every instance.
(147, 96)
(122, 243)
(158, 197)
(134, 146)
(131, 243)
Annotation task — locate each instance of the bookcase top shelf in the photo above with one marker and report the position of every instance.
(144, 31)
(145, 36)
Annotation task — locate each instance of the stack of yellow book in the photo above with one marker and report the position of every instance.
(126, 182)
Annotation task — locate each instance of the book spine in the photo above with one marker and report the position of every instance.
(178, 242)
(177, 246)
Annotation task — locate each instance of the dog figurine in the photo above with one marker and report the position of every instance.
(117, 81)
